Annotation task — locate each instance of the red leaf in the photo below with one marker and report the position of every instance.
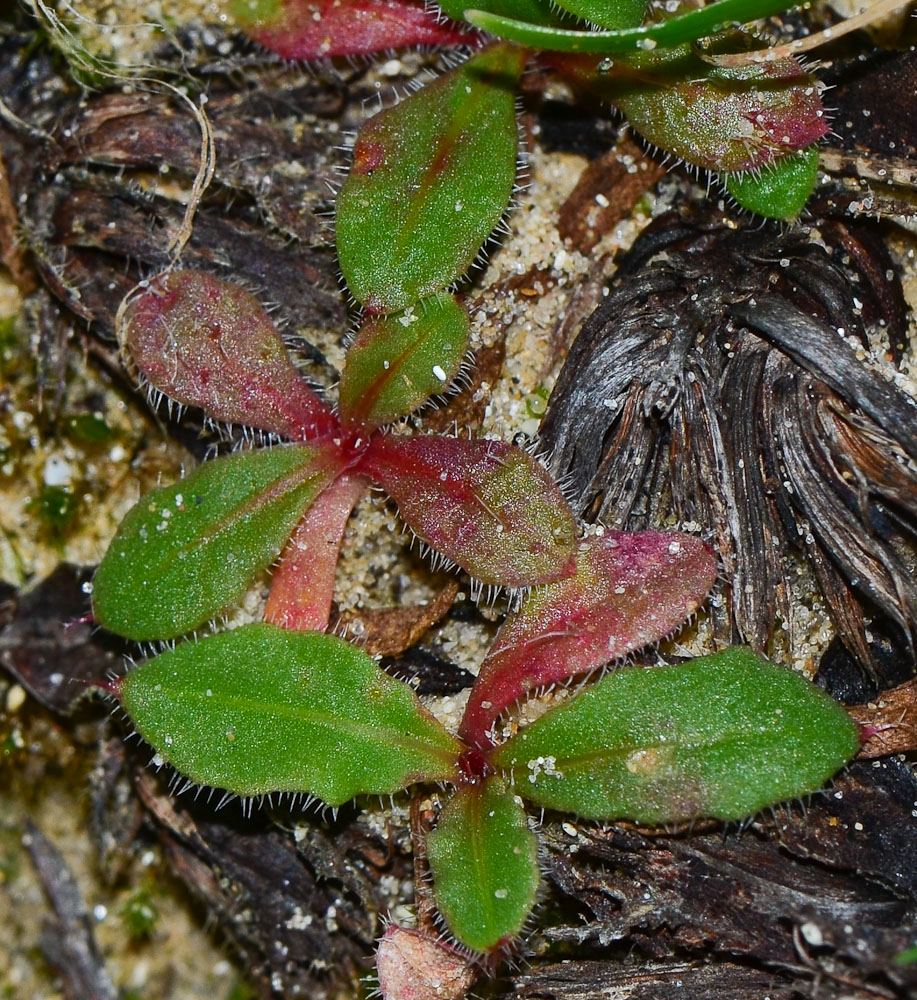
(206, 342)
(314, 29)
(629, 590)
(486, 505)
(303, 584)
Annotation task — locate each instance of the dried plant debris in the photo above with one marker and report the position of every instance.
(67, 941)
(652, 981)
(821, 895)
(607, 191)
(727, 381)
(301, 908)
(100, 183)
(49, 647)
(872, 150)
(841, 673)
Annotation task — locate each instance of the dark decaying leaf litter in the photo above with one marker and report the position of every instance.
(45, 645)
(722, 381)
(96, 208)
(712, 384)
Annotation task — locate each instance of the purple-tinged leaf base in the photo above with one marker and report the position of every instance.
(302, 586)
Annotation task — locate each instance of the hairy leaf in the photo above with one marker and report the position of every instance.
(484, 861)
(264, 709)
(316, 29)
(697, 23)
(430, 179)
(486, 505)
(206, 342)
(534, 11)
(780, 190)
(723, 118)
(606, 13)
(185, 552)
(720, 736)
(397, 362)
(630, 589)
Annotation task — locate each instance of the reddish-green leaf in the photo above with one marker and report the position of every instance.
(185, 552)
(722, 118)
(630, 589)
(484, 861)
(206, 342)
(780, 190)
(721, 736)
(728, 118)
(263, 709)
(430, 179)
(486, 505)
(316, 29)
(398, 361)
(302, 586)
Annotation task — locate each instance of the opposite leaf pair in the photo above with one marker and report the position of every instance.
(264, 709)
(187, 551)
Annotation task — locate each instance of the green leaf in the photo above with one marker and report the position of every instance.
(697, 23)
(397, 362)
(484, 861)
(534, 11)
(185, 552)
(613, 14)
(906, 957)
(264, 709)
(780, 189)
(430, 179)
(720, 736)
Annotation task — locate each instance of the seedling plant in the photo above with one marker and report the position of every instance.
(282, 706)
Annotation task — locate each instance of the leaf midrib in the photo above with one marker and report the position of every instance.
(288, 482)
(367, 731)
(625, 750)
